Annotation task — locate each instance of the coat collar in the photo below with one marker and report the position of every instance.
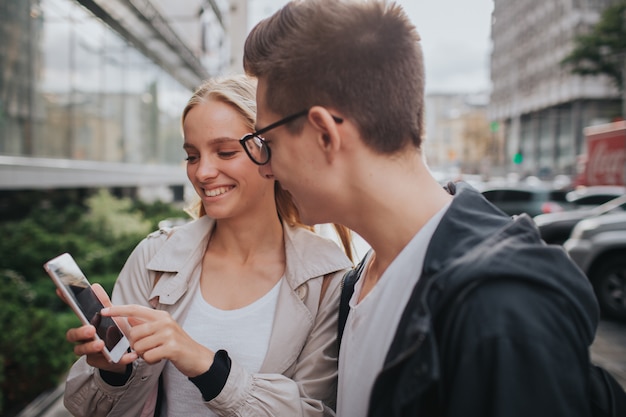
(308, 255)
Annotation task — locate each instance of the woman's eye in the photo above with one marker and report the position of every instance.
(191, 159)
(227, 154)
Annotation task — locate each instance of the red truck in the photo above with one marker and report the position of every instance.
(605, 161)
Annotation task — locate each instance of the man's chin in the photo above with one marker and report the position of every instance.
(307, 222)
(304, 215)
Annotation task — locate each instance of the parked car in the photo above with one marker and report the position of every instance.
(519, 199)
(598, 247)
(555, 228)
(586, 197)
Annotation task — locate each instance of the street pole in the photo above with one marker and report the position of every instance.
(624, 85)
(623, 56)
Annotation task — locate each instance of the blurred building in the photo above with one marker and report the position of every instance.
(540, 107)
(463, 141)
(91, 91)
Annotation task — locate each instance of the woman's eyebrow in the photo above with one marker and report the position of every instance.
(224, 140)
(213, 141)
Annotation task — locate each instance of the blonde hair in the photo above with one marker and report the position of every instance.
(239, 91)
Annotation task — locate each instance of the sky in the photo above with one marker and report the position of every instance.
(455, 39)
(456, 42)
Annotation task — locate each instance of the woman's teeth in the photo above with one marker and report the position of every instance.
(216, 191)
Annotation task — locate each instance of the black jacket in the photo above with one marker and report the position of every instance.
(518, 345)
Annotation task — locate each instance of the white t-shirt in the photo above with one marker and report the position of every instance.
(244, 333)
(372, 323)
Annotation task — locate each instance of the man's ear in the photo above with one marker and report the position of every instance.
(327, 129)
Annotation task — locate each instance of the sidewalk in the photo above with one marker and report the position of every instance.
(609, 349)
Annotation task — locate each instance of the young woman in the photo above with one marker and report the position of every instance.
(234, 313)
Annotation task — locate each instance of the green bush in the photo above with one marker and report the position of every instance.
(34, 350)
(99, 237)
(157, 211)
(100, 231)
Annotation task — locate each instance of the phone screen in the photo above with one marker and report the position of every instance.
(91, 306)
(79, 289)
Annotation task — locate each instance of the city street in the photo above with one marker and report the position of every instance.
(609, 349)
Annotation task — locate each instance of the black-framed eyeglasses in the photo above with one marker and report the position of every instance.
(256, 146)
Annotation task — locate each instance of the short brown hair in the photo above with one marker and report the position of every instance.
(361, 57)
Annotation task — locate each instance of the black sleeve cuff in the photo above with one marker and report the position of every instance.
(212, 381)
(115, 379)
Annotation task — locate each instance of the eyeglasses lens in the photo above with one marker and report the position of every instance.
(257, 149)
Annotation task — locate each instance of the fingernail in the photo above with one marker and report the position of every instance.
(105, 310)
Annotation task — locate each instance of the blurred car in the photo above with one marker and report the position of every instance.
(555, 228)
(594, 195)
(533, 200)
(598, 247)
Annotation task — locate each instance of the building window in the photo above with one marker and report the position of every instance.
(71, 87)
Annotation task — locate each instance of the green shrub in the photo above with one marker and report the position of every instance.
(100, 231)
(100, 237)
(113, 218)
(157, 211)
(34, 350)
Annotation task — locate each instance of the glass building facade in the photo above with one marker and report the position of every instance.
(71, 87)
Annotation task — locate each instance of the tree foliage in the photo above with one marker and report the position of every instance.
(100, 231)
(34, 353)
(603, 50)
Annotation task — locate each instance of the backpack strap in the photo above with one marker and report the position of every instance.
(352, 276)
(347, 289)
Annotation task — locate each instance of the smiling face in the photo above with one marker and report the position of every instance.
(227, 182)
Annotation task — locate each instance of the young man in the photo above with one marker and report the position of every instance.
(340, 116)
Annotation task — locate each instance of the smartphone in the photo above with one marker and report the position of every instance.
(68, 277)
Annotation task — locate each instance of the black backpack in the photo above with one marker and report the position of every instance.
(607, 397)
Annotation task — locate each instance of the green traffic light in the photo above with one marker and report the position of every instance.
(518, 158)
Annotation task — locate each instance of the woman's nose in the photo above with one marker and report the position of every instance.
(207, 168)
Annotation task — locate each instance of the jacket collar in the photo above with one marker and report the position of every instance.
(308, 255)
(471, 220)
(486, 242)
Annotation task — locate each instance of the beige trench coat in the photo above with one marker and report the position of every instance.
(299, 374)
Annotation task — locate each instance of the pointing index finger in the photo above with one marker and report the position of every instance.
(130, 310)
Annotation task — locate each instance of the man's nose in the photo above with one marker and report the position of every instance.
(266, 171)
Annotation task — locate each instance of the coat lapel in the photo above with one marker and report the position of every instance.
(292, 323)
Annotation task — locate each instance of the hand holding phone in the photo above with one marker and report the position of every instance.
(80, 295)
(85, 343)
